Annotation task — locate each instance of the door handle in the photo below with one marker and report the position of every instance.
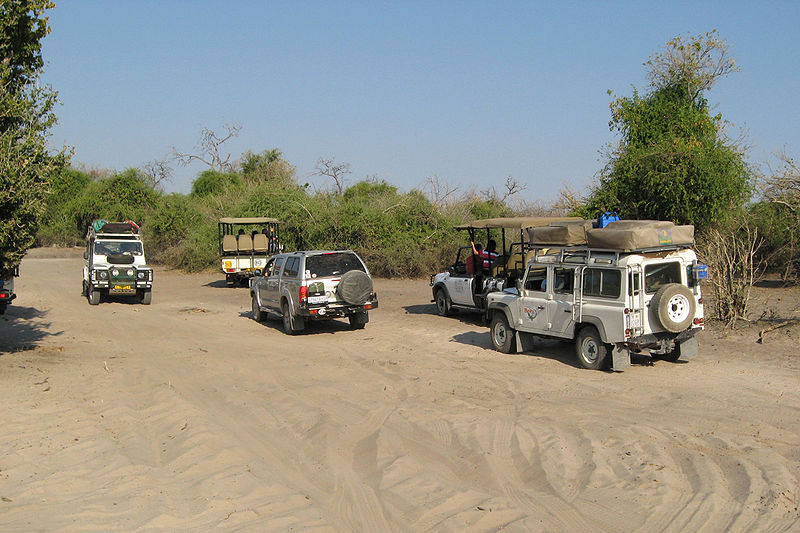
(539, 307)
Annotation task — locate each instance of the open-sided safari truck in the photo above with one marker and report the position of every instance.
(467, 281)
(245, 244)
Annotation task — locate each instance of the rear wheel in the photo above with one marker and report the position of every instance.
(503, 338)
(358, 320)
(442, 303)
(590, 348)
(289, 323)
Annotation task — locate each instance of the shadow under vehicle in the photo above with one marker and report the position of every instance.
(245, 244)
(470, 278)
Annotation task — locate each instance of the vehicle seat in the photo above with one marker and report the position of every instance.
(260, 242)
(245, 243)
(229, 243)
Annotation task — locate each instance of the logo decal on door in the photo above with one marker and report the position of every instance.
(531, 312)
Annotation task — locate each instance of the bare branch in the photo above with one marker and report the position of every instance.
(209, 149)
(337, 172)
(158, 172)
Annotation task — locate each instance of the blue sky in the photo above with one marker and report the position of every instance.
(471, 92)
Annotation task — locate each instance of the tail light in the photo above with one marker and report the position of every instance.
(303, 295)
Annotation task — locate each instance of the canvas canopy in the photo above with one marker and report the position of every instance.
(568, 233)
(249, 220)
(519, 223)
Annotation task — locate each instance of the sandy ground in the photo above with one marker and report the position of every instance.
(188, 415)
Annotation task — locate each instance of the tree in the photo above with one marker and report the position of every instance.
(673, 161)
(26, 115)
(209, 147)
(333, 170)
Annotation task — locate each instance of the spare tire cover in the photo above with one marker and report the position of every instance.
(355, 287)
(674, 306)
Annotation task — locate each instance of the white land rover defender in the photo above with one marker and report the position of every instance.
(114, 262)
(633, 286)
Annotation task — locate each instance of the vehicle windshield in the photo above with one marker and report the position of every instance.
(118, 248)
(659, 274)
(332, 264)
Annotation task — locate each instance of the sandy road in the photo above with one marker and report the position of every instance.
(189, 415)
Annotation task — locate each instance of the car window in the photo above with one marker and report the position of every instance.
(276, 266)
(290, 270)
(563, 280)
(602, 282)
(659, 274)
(536, 279)
(332, 264)
(118, 248)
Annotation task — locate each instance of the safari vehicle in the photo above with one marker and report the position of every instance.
(114, 262)
(244, 246)
(633, 286)
(314, 285)
(7, 289)
(466, 282)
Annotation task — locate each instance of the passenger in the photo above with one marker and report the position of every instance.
(488, 255)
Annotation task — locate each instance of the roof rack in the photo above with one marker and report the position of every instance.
(572, 254)
(102, 227)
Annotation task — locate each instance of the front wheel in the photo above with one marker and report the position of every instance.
(442, 303)
(93, 296)
(590, 348)
(147, 296)
(503, 337)
(258, 314)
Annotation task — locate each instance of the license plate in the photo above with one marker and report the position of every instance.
(635, 320)
(317, 299)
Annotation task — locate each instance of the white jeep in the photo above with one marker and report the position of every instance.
(639, 297)
(114, 262)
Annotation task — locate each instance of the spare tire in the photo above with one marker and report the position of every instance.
(355, 287)
(674, 306)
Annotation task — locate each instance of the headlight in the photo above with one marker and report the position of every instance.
(103, 274)
(130, 272)
(115, 272)
(140, 275)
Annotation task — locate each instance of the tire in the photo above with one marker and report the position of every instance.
(230, 281)
(590, 348)
(443, 304)
(147, 296)
(358, 320)
(258, 314)
(93, 296)
(672, 356)
(355, 287)
(674, 307)
(503, 337)
(289, 323)
(3, 309)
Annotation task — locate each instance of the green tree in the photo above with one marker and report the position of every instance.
(673, 161)
(26, 115)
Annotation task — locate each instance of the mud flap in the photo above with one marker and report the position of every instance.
(620, 358)
(689, 348)
(524, 342)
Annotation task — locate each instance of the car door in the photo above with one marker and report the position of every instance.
(560, 307)
(532, 312)
(269, 296)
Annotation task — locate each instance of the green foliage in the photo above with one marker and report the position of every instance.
(212, 182)
(26, 115)
(777, 226)
(672, 162)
